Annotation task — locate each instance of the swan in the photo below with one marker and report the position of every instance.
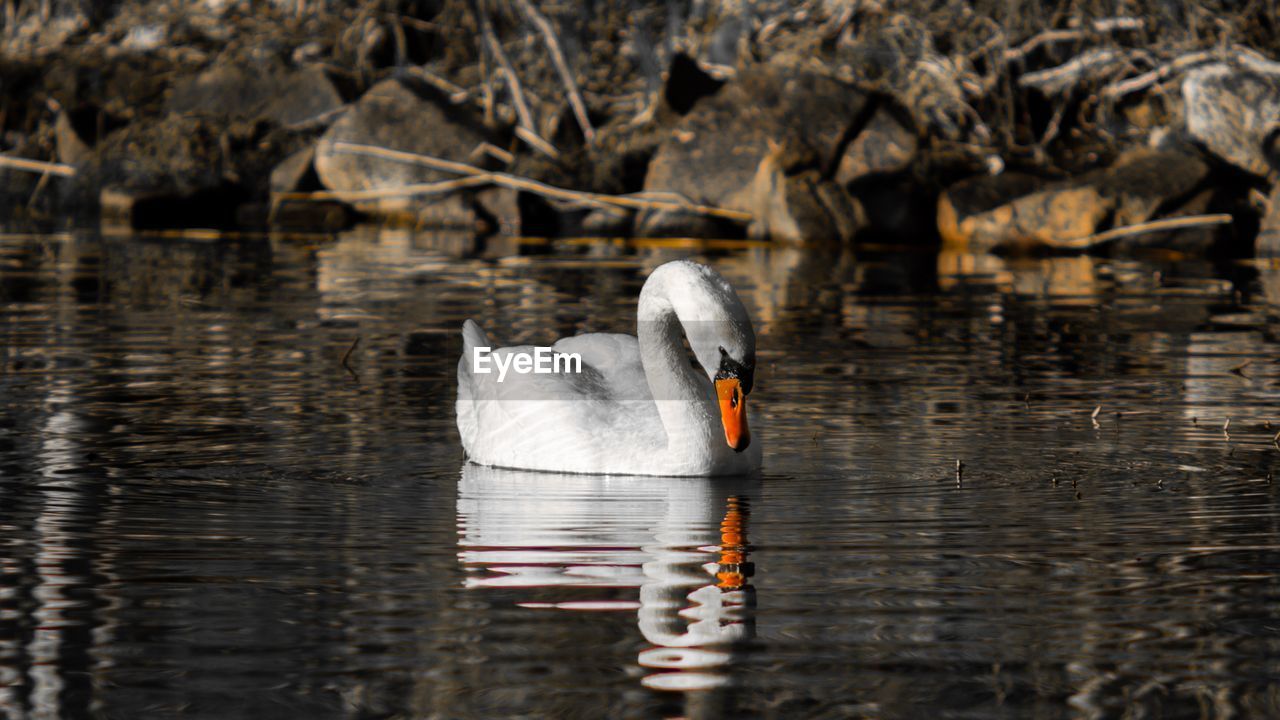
(634, 405)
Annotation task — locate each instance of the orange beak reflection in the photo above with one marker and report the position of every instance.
(733, 413)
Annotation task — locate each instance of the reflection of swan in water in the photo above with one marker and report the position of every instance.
(720, 612)
(681, 541)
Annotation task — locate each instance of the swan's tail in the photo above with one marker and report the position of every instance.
(473, 336)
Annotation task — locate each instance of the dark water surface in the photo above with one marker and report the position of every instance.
(204, 514)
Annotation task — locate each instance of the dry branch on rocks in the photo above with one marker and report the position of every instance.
(718, 101)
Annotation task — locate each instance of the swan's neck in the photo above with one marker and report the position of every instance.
(685, 398)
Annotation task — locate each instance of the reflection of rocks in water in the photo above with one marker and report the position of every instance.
(369, 259)
(1269, 280)
(681, 541)
(1227, 376)
(1054, 277)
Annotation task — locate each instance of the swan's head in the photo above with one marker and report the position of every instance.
(719, 333)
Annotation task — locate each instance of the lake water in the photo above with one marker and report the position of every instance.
(204, 513)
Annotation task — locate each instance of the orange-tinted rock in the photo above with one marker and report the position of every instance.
(1013, 211)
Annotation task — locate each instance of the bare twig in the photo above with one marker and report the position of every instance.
(317, 121)
(456, 94)
(1097, 27)
(420, 189)
(1141, 82)
(36, 166)
(831, 29)
(795, 15)
(417, 24)
(1054, 127)
(562, 67)
(513, 81)
(347, 357)
(486, 85)
(35, 193)
(1060, 79)
(1118, 24)
(493, 151)
(1043, 38)
(1180, 223)
(538, 188)
(535, 141)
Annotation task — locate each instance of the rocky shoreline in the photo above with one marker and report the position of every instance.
(813, 122)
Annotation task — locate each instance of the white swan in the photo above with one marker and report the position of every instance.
(638, 407)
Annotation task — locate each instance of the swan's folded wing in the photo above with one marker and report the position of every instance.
(525, 418)
(615, 357)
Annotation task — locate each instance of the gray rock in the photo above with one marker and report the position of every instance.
(284, 96)
(883, 147)
(1144, 181)
(178, 154)
(292, 172)
(72, 149)
(745, 149)
(393, 115)
(182, 170)
(1232, 112)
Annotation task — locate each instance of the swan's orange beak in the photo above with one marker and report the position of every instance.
(733, 413)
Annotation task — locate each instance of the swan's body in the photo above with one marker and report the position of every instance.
(638, 406)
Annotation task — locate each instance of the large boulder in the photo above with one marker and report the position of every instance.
(1046, 217)
(767, 144)
(397, 116)
(183, 155)
(182, 171)
(1144, 183)
(1019, 211)
(286, 96)
(1234, 113)
(885, 146)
